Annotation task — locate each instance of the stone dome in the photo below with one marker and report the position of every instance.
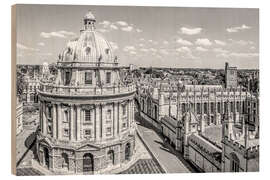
(89, 47)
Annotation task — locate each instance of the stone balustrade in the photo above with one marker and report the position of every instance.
(49, 88)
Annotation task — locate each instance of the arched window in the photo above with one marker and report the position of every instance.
(198, 108)
(87, 50)
(88, 162)
(110, 156)
(127, 151)
(65, 163)
(234, 166)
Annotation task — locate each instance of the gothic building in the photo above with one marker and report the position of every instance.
(230, 76)
(86, 114)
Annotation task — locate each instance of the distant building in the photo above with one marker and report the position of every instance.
(194, 120)
(230, 76)
(19, 117)
(30, 93)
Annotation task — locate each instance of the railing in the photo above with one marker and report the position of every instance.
(53, 89)
(86, 64)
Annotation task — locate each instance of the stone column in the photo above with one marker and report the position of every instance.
(78, 122)
(59, 121)
(44, 119)
(97, 123)
(71, 124)
(54, 121)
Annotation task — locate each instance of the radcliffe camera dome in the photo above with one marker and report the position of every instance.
(90, 46)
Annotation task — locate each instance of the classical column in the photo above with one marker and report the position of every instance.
(78, 122)
(59, 121)
(71, 124)
(97, 123)
(54, 121)
(102, 131)
(44, 119)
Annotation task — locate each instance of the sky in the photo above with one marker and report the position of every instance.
(145, 36)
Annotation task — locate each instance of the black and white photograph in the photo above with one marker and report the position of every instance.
(135, 90)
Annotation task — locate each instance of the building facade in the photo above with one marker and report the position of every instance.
(19, 117)
(87, 114)
(230, 76)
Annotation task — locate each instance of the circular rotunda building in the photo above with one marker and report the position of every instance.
(86, 112)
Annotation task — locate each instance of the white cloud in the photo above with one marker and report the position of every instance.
(153, 49)
(141, 45)
(244, 55)
(201, 49)
(112, 26)
(220, 50)
(252, 48)
(138, 30)
(184, 42)
(122, 23)
(144, 50)
(105, 23)
(102, 30)
(164, 52)
(127, 29)
(59, 34)
(41, 44)
(203, 42)
(218, 42)
(23, 47)
(238, 28)
(190, 31)
(186, 52)
(132, 52)
(129, 48)
(165, 42)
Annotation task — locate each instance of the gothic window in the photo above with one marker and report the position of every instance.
(219, 107)
(237, 106)
(231, 103)
(234, 163)
(156, 112)
(183, 107)
(225, 107)
(87, 115)
(108, 77)
(205, 108)
(88, 78)
(198, 108)
(110, 157)
(212, 107)
(243, 107)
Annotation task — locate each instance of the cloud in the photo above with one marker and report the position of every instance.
(105, 23)
(186, 52)
(153, 50)
(220, 50)
(141, 45)
(138, 30)
(112, 26)
(184, 42)
(238, 55)
(164, 52)
(165, 42)
(127, 29)
(132, 52)
(59, 34)
(237, 28)
(26, 48)
(201, 49)
(252, 48)
(129, 48)
(122, 23)
(203, 42)
(41, 44)
(103, 30)
(190, 31)
(144, 50)
(218, 42)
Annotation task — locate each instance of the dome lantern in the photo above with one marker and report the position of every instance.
(89, 21)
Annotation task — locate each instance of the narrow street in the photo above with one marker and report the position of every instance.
(162, 151)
